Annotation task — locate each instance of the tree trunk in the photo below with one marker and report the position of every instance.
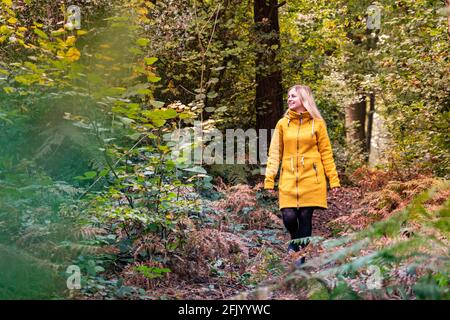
(269, 91)
(447, 5)
(370, 121)
(355, 122)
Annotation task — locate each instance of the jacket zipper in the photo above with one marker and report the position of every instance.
(296, 180)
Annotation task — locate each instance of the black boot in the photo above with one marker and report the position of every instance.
(293, 246)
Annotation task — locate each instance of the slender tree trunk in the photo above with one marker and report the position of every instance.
(447, 5)
(355, 116)
(269, 91)
(370, 121)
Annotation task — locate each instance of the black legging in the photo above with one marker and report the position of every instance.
(298, 222)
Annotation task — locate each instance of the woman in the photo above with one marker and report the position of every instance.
(300, 141)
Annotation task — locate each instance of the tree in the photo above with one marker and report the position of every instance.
(355, 120)
(447, 5)
(269, 91)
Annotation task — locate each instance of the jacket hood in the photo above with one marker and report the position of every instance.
(291, 114)
(303, 116)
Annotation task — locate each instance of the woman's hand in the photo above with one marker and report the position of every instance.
(334, 191)
(271, 192)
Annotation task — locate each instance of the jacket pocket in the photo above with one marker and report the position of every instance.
(316, 172)
(281, 177)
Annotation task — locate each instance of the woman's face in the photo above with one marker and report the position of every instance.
(294, 101)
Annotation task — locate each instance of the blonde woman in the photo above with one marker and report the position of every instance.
(301, 143)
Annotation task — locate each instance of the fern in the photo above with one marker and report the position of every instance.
(413, 237)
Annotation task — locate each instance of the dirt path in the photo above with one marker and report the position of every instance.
(342, 203)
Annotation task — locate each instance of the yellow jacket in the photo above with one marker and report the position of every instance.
(302, 145)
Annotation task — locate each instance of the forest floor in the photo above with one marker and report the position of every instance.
(236, 248)
(263, 246)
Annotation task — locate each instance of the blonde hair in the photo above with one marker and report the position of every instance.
(307, 98)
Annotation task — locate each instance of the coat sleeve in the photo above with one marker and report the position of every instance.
(327, 156)
(275, 156)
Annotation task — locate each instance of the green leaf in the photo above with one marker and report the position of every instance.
(26, 79)
(103, 173)
(222, 109)
(115, 91)
(184, 115)
(99, 269)
(213, 80)
(142, 42)
(87, 175)
(196, 169)
(212, 95)
(150, 61)
(157, 104)
(153, 78)
(143, 92)
(158, 122)
(126, 121)
(90, 174)
(134, 136)
(40, 33)
(160, 114)
(168, 114)
(138, 89)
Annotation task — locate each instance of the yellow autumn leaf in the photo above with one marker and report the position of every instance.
(58, 32)
(143, 11)
(12, 20)
(4, 29)
(23, 44)
(9, 89)
(70, 41)
(73, 54)
(7, 2)
(60, 54)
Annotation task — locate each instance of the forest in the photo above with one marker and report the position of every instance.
(120, 174)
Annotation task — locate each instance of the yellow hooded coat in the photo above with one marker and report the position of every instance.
(302, 145)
